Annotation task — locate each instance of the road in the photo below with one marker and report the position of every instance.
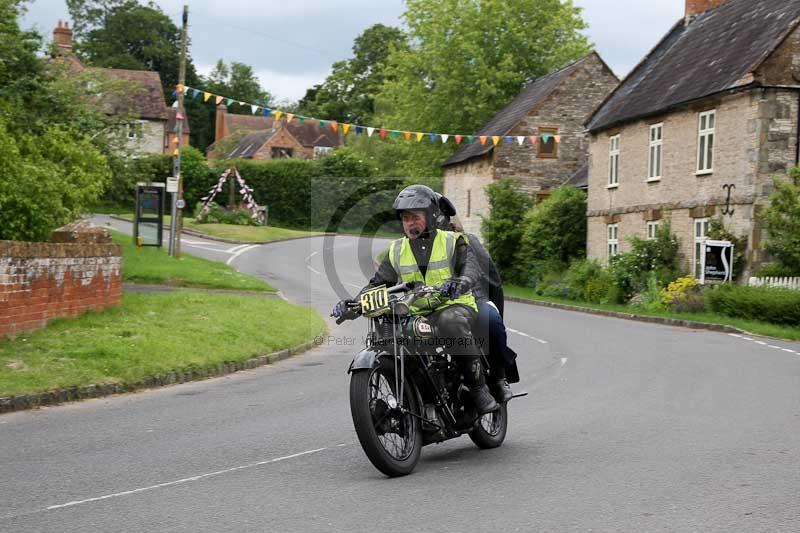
(628, 427)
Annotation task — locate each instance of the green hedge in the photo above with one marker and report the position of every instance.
(779, 306)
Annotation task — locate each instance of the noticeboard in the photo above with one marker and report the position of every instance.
(717, 262)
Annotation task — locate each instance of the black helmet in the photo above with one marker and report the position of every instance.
(418, 197)
(446, 210)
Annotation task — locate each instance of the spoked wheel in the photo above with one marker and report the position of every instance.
(389, 435)
(490, 430)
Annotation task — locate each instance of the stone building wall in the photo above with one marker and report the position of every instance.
(150, 139)
(40, 282)
(465, 186)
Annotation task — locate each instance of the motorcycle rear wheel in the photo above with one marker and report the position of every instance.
(392, 440)
(490, 431)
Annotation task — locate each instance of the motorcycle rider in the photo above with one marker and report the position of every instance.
(489, 297)
(437, 257)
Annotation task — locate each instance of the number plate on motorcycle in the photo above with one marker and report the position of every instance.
(375, 301)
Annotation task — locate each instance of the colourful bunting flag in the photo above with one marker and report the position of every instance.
(345, 128)
(206, 96)
(289, 117)
(432, 137)
(266, 112)
(195, 93)
(470, 139)
(218, 100)
(323, 123)
(176, 152)
(175, 104)
(382, 133)
(483, 139)
(254, 108)
(186, 90)
(179, 88)
(444, 138)
(419, 136)
(370, 131)
(459, 139)
(395, 134)
(175, 93)
(533, 139)
(242, 104)
(359, 130)
(546, 138)
(179, 116)
(558, 138)
(334, 125)
(407, 135)
(508, 139)
(301, 118)
(229, 102)
(278, 115)
(520, 140)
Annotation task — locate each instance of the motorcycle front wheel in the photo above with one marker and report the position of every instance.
(490, 430)
(390, 436)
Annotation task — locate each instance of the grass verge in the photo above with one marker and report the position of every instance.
(151, 334)
(233, 232)
(155, 266)
(752, 326)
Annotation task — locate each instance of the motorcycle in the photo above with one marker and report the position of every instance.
(406, 390)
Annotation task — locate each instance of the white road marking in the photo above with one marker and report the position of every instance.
(236, 248)
(312, 269)
(184, 480)
(773, 346)
(207, 248)
(762, 343)
(527, 335)
(240, 252)
(735, 335)
(788, 350)
(310, 256)
(563, 361)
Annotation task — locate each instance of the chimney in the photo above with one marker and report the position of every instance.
(62, 36)
(697, 7)
(221, 127)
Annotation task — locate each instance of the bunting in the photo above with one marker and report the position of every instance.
(383, 133)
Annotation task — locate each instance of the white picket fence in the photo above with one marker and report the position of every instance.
(784, 283)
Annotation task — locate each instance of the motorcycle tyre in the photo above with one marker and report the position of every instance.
(485, 440)
(368, 437)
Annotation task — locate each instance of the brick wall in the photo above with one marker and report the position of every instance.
(43, 281)
(284, 139)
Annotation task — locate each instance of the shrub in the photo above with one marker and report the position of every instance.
(683, 295)
(779, 306)
(588, 281)
(554, 231)
(502, 231)
(219, 215)
(782, 222)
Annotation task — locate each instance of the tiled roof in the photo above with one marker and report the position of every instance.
(533, 93)
(143, 97)
(307, 133)
(716, 51)
(250, 144)
(579, 180)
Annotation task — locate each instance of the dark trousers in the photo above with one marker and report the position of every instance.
(454, 329)
(491, 328)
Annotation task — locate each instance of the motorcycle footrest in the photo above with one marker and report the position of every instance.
(519, 395)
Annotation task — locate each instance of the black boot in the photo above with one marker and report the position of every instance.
(499, 387)
(478, 391)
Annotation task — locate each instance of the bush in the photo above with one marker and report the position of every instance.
(782, 222)
(554, 231)
(588, 281)
(631, 270)
(683, 295)
(502, 231)
(219, 215)
(778, 306)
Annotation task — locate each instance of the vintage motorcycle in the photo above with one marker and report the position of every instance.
(405, 388)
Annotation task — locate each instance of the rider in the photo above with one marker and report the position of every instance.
(437, 257)
(489, 297)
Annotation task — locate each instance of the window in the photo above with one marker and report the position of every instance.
(705, 142)
(613, 161)
(654, 160)
(652, 230)
(281, 153)
(549, 149)
(700, 235)
(613, 240)
(320, 151)
(133, 130)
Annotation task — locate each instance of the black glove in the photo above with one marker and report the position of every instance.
(340, 309)
(453, 288)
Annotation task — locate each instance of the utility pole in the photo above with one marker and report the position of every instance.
(176, 224)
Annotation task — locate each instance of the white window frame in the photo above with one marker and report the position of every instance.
(320, 151)
(652, 229)
(612, 234)
(655, 154)
(706, 126)
(700, 234)
(132, 130)
(613, 161)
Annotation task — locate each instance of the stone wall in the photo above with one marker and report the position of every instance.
(40, 282)
(465, 186)
(150, 139)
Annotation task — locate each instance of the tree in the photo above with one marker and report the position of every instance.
(782, 220)
(469, 58)
(348, 93)
(238, 82)
(89, 14)
(502, 230)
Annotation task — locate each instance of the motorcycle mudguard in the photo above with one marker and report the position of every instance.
(366, 359)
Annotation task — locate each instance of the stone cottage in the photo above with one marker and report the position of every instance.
(698, 129)
(150, 126)
(553, 108)
(259, 137)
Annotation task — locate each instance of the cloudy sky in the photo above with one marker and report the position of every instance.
(291, 44)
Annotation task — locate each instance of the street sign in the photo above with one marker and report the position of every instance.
(181, 203)
(717, 262)
(172, 184)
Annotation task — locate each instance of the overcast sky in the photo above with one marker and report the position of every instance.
(291, 44)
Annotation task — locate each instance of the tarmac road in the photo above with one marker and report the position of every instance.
(628, 427)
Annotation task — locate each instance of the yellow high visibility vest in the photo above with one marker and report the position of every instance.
(440, 268)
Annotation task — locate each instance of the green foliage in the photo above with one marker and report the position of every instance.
(502, 231)
(683, 295)
(402, 159)
(589, 281)
(660, 256)
(782, 221)
(237, 81)
(219, 215)
(718, 232)
(554, 232)
(348, 93)
(779, 306)
(49, 181)
(127, 172)
(468, 59)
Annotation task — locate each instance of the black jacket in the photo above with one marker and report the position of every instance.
(466, 264)
(489, 286)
